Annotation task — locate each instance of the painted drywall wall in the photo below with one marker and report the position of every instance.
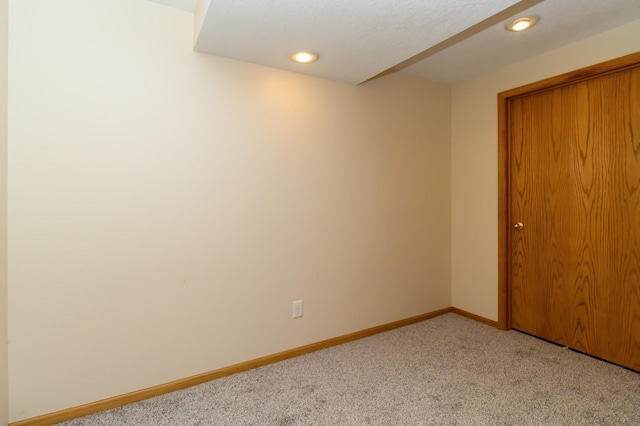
(166, 207)
(475, 165)
(4, 362)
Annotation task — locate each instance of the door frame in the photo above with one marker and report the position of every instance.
(504, 165)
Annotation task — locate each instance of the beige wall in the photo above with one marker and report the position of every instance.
(166, 207)
(474, 160)
(4, 373)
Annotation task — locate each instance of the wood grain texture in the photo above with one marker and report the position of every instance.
(504, 166)
(504, 220)
(574, 181)
(118, 401)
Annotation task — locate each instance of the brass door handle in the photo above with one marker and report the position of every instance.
(518, 226)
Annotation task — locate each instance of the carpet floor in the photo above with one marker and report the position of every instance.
(448, 370)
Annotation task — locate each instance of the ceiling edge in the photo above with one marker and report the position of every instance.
(463, 35)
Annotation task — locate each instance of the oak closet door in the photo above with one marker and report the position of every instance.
(574, 195)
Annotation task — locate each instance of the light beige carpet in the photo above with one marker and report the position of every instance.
(445, 371)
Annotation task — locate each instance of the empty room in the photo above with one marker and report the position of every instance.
(226, 212)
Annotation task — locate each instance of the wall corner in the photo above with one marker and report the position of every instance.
(4, 356)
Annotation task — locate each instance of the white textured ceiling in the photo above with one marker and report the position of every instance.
(356, 39)
(444, 40)
(561, 22)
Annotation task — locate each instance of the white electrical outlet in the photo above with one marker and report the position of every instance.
(297, 308)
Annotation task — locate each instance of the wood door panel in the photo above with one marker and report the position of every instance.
(575, 184)
(539, 283)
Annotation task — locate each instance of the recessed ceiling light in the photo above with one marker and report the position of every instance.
(304, 56)
(522, 24)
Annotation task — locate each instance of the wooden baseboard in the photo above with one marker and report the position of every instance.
(475, 317)
(118, 401)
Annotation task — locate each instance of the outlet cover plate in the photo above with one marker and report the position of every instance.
(297, 308)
